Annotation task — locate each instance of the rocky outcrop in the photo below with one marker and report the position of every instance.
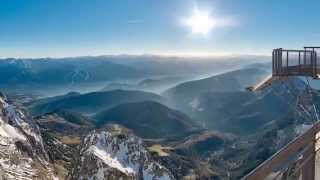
(109, 154)
(22, 153)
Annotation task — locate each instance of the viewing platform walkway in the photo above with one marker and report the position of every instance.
(298, 160)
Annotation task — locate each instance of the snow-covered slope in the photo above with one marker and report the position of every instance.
(22, 155)
(110, 155)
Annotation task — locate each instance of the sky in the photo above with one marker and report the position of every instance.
(58, 28)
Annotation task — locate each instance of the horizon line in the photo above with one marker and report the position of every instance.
(161, 55)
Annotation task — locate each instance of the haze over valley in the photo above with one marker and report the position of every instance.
(159, 90)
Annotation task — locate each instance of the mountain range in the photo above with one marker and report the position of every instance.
(54, 76)
(208, 128)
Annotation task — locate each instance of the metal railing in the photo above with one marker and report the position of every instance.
(294, 161)
(294, 62)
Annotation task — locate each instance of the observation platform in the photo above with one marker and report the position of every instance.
(295, 62)
(300, 159)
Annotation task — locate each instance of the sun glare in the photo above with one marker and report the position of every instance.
(200, 22)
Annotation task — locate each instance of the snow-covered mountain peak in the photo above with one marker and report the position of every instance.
(106, 155)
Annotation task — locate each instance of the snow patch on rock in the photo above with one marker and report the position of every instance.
(105, 155)
(21, 148)
(195, 105)
(9, 131)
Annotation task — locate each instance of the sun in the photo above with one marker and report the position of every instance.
(200, 22)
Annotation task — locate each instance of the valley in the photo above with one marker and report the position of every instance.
(197, 128)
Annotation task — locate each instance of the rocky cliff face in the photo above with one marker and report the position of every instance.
(22, 154)
(114, 155)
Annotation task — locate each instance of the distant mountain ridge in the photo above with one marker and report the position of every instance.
(149, 119)
(236, 80)
(90, 103)
(60, 75)
(221, 102)
(62, 71)
(157, 84)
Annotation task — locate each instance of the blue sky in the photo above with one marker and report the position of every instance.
(55, 28)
